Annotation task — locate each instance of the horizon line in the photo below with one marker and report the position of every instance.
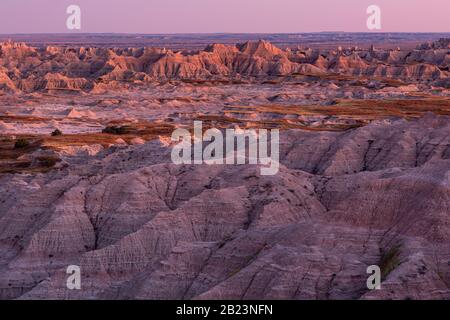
(225, 33)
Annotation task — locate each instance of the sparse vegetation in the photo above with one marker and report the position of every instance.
(21, 143)
(56, 132)
(116, 130)
(390, 260)
(48, 161)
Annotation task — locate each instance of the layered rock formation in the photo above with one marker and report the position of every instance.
(27, 69)
(140, 227)
(364, 176)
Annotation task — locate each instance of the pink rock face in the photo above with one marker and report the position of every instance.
(149, 229)
(27, 69)
(364, 173)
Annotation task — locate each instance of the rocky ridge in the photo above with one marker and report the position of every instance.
(141, 227)
(27, 69)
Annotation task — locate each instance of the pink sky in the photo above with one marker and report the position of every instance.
(206, 16)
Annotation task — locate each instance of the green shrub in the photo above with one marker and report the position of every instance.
(21, 143)
(116, 130)
(48, 161)
(390, 260)
(56, 132)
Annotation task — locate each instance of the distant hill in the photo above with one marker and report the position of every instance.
(199, 41)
